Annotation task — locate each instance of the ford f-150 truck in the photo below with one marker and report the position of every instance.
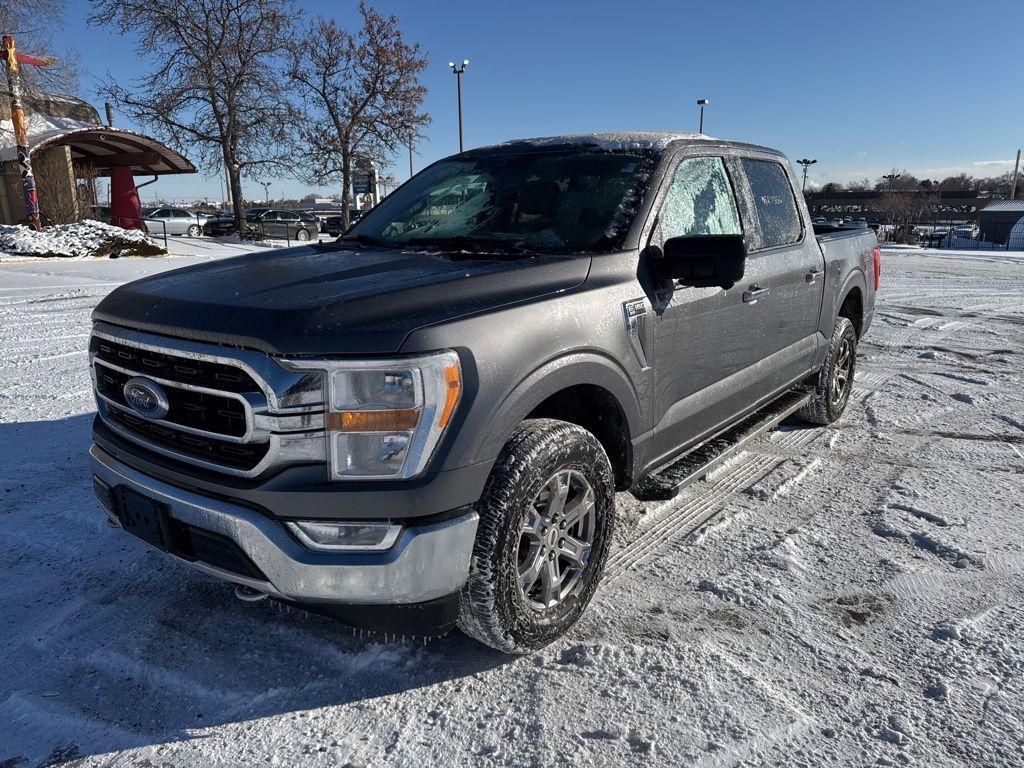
(424, 423)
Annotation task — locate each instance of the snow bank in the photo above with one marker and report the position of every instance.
(85, 239)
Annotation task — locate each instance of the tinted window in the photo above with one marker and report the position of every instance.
(288, 216)
(773, 201)
(700, 201)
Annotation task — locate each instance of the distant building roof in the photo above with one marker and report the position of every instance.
(1004, 205)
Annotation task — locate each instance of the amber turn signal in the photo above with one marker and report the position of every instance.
(453, 391)
(374, 421)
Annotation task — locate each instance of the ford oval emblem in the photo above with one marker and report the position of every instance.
(146, 398)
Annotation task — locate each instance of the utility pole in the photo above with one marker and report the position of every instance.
(412, 137)
(702, 103)
(806, 164)
(458, 72)
(12, 59)
(1016, 168)
(266, 190)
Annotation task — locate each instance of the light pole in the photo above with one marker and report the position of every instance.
(266, 190)
(457, 71)
(806, 164)
(702, 103)
(891, 177)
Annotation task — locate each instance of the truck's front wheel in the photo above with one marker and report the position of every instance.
(546, 519)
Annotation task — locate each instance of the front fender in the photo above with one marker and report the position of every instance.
(590, 368)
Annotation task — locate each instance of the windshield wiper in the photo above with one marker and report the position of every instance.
(474, 245)
(368, 240)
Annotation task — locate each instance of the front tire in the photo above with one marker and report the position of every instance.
(195, 230)
(302, 235)
(546, 519)
(835, 379)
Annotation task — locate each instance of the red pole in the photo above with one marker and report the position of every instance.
(21, 133)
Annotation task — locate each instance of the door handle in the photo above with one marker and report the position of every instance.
(813, 275)
(755, 292)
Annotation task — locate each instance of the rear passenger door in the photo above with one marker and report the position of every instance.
(785, 269)
(271, 226)
(289, 223)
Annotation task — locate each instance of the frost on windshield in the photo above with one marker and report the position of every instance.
(700, 201)
(577, 199)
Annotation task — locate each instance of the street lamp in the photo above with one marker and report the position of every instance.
(806, 164)
(891, 177)
(457, 71)
(266, 190)
(702, 103)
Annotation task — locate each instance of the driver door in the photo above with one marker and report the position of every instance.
(700, 334)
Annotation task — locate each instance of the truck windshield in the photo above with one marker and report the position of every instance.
(545, 202)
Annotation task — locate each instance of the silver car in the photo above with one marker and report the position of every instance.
(177, 221)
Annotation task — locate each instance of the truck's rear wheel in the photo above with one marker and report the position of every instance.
(835, 380)
(546, 520)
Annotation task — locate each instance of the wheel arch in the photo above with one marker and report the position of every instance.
(850, 300)
(586, 389)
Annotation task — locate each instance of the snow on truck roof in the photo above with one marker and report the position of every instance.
(622, 140)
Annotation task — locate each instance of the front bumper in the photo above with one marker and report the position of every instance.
(427, 562)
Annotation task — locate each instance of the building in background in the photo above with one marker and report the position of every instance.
(70, 148)
(997, 220)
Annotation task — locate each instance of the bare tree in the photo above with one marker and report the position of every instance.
(363, 96)
(214, 87)
(30, 21)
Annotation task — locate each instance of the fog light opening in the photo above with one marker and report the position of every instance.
(322, 536)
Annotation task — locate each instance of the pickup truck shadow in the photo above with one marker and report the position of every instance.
(112, 646)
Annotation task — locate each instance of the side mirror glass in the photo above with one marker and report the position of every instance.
(703, 260)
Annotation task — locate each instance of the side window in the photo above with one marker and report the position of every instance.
(700, 201)
(774, 205)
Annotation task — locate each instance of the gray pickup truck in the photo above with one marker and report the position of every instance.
(424, 423)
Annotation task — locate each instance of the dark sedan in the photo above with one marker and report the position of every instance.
(272, 222)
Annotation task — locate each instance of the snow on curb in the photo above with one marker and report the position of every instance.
(82, 240)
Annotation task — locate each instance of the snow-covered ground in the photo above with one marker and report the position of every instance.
(843, 596)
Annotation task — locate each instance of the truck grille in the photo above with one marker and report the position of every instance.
(209, 420)
(244, 456)
(201, 373)
(188, 408)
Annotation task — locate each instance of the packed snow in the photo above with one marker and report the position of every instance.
(840, 596)
(81, 240)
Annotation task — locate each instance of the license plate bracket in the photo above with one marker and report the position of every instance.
(143, 517)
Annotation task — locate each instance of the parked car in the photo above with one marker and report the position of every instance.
(425, 423)
(220, 225)
(273, 223)
(335, 225)
(174, 221)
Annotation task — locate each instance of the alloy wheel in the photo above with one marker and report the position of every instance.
(555, 540)
(843, 371)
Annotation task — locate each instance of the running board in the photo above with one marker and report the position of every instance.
(671, 478)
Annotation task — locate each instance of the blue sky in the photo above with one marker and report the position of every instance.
(933, 87)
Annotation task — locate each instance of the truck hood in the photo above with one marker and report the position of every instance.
(327, 299)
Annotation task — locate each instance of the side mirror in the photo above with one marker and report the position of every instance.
(703, 260)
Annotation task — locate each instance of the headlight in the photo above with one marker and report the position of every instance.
(386, 417)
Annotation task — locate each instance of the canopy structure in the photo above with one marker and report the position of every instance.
(67, 142)
(101, 146)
